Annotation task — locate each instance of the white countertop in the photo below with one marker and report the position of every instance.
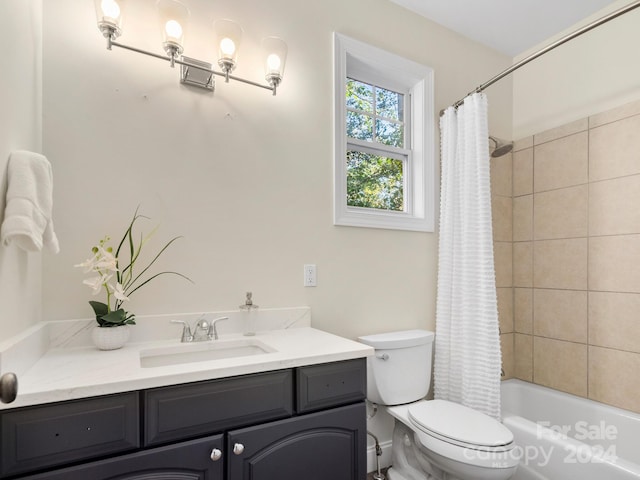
(69, 372)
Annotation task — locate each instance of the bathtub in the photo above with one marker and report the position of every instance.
(564, 437)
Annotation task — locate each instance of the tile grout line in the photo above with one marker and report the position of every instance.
(533, 259)
(588, 249)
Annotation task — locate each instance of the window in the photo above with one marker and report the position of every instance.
(376, 154)
(383, 139)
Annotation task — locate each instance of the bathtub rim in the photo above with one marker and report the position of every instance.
(559, 393)
(529, 426)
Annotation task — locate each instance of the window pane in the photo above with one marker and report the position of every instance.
(374, 181)
(390, 133)
(359, 96)
(389, 104)
(359, 126)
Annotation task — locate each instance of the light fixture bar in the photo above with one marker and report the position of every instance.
(174, 16)
(172, 60)
(197, 77)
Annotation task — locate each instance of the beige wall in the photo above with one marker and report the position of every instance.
(20, 115)
(590, 74)
(576, 232)
(245, 177)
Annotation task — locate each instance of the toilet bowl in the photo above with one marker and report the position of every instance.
(432, 438)
(459, 441)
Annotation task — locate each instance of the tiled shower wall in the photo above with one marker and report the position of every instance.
(502, 207)
(575, 258)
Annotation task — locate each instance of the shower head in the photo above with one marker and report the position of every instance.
(501, 147)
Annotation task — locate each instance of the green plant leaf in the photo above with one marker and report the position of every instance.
(99, 308)
(128, 231)
(157, 275)
(129, 292)
(117, 317)
(128, 236)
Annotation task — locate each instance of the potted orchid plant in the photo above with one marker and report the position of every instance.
(117, 273)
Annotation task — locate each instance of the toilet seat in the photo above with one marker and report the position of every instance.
(460, 425)
(462, 434)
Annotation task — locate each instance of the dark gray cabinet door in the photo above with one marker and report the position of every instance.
(190, 460)
(329, 444)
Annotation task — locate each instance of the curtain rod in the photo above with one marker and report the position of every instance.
(548, 48)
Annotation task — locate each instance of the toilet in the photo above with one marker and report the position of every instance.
(432, 439)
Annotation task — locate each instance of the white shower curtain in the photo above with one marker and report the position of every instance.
(467, 342)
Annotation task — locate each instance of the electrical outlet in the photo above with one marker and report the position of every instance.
(310, 279)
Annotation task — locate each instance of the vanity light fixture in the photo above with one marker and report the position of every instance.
(174, 18)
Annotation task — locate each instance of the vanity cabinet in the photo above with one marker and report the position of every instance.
(303, 423)
(311, 447)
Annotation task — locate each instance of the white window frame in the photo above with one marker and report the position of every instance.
(372, 65)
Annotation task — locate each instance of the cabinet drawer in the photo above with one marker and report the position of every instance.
(184, 461)
(186, 411)
(37, 437)
(331, 384)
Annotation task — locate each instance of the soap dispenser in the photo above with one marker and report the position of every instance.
(249, 315)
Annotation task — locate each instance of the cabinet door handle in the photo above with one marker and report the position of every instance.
(216, 454)
(238, 448)
(8, 387)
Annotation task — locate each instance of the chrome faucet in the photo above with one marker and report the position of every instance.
(213, 326)
(187, 336)
(203, 331)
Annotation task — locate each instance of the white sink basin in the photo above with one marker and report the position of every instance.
(202, 352)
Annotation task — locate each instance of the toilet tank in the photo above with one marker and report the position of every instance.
(400, 370)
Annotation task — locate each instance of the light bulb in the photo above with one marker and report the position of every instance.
(173, 29)
(228, 38)
(274, 52)
(173, 22)
(110, 8)
(273, 62)
(227, 47)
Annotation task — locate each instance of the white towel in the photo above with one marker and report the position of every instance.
(28, 219)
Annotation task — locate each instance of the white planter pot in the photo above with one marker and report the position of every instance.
(110, 338)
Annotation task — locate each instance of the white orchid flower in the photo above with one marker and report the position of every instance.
(95, 283)
(89, 265)
(118, 292)
(105, 260)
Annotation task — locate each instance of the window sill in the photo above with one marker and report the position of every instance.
(368, 218)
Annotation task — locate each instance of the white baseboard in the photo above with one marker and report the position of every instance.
(384, 459)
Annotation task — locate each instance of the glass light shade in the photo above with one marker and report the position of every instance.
(274, 52)
(173, 18)
(109, 16)
(228, 35)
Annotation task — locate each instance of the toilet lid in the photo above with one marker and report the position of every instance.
(459, 423)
